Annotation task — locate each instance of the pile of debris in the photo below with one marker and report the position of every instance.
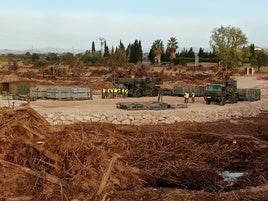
(101, 161)
(41, 162)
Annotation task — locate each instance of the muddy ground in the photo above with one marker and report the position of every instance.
(102, 161)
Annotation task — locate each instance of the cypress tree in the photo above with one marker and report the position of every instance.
(135, 52)
(106, 50)
(140, 53)
(93, 47)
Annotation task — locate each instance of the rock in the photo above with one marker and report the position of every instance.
(126, 121)
(170, 120)
(160, 118)
(116, 122)
(177, 119)
(147, 116)
(135, 122)
(97, 116)
(78, 118)
(138, 117)
(110, 118)
(234, 121)
(145, 121)
(87, 118)
(50, 116)
(102, 118)
(69, 118)
(67, 122)
(95, 119)
(58, 122)
(131, 118)
(119, 118)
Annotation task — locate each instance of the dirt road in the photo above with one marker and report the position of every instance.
(58, 111)
(98, 105)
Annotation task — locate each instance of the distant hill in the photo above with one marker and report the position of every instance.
(42, 50)
(76, 51)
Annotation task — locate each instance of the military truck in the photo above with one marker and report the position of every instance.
(221, 92)
(140, 86)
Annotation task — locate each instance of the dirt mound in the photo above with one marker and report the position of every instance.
(100, 161)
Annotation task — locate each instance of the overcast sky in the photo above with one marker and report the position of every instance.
(76, 23)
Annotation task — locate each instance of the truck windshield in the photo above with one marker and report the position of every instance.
(120, 85)
(213, 88)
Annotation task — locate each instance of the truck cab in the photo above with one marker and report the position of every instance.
(221, 93)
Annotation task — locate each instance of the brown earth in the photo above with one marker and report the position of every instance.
(101, 161)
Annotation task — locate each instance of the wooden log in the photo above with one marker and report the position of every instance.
(33, 113)
(32, 134)
(107, 173)
(48, 177)
(42, 150)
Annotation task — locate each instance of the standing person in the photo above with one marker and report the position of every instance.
(160, 95)
(126, 92)
(103, 93)
(193, 97)
(186, 97)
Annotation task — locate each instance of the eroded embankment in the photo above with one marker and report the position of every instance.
(205, 113)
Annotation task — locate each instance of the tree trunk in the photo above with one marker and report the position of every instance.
(158, 58)
(172, 51)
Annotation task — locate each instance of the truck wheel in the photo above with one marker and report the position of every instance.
(236, 98)
(138, 93)
(208, 102)
(233, 98)
(154, 92)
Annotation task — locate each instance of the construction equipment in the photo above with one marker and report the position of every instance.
(221, 93)
(142, 86)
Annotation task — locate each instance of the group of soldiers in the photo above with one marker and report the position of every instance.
(123, 93)
(114, 93)
(187, 96)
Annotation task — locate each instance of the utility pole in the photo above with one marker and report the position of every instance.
(196, 59)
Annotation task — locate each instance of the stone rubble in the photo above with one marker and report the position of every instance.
(165, 116)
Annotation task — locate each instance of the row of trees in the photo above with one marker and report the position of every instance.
(118, 56)
(229, 46)
(133, 54)
(182, 57)
(258, 57)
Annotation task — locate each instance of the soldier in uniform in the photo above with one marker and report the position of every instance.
(160, 95)
(186, 97)
(193, 97)
(103, 91)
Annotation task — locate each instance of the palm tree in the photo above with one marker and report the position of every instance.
(157, 48)
(172, 46)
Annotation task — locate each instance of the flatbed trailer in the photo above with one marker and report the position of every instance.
(151, 105)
